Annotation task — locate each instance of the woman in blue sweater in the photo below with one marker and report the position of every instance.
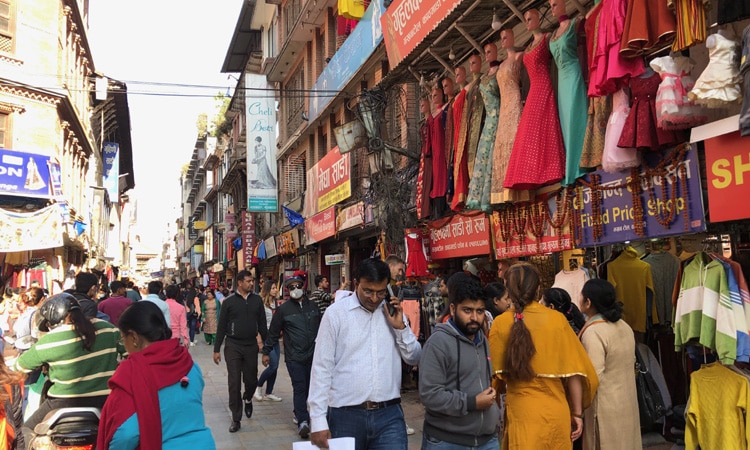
(161, 375)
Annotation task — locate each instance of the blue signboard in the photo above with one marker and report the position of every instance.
(24, 174)
(348, 59)
(111, 158)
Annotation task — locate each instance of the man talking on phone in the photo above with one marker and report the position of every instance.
(356, 372)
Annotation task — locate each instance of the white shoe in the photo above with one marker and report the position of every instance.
(258, 396)
(409, 430)
(272, 397)
(192, 344)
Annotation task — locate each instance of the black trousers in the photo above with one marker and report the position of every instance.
(242, 366)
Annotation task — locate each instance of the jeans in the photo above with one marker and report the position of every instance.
(299, 372)
(430, 443)
(269, 375)
(379, 429)
(242, 366)
(191, 321)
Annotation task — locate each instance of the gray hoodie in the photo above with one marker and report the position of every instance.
(452, 371)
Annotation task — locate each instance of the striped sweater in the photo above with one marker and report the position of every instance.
(75, 372)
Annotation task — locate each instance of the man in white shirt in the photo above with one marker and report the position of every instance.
(154, 289)
(356, 369)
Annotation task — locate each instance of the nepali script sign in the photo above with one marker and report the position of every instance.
(460, 236)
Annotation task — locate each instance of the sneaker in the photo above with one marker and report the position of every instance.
(304, 430)
(272, 397)
(192, 344)
(258, 395)
(294, 419)
(409, 430)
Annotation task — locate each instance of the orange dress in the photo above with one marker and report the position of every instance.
(649, 25)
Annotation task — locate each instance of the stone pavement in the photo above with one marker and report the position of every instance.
(271, 427)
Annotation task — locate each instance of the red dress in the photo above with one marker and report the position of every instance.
(640, 130)
(538, 156)
(460, 160)
(439, 165)
(416, 261)
(424, 179)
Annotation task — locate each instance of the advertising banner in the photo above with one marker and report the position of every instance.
(248, 238)
(24, 174)
(335, 260)
(287, 243)
(350, 217)
(669, 202)
(407, 22)
(538, 235)
(320, 226)
(270, 247)
(727, 165)
(328, 182)
(460, 236)
(262, 185)
(111, 158)
(355, 50)
(31, 231)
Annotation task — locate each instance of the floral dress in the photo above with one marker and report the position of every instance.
(481, 177)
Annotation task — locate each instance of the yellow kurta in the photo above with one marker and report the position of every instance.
(631, 277)
(537, 411)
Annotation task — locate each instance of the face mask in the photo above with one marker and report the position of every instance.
(296, 293)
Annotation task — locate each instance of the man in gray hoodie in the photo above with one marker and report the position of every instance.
(455, 375)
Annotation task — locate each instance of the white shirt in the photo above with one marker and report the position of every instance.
(153, 298)
(357, 358)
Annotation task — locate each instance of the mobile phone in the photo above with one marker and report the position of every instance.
(391, 309)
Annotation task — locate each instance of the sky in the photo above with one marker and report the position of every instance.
(153, 46)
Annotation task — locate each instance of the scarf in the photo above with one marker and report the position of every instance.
(135, 390)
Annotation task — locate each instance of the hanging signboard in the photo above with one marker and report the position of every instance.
(260, 104)
(350, 217)
(328, 182)
(24, 174)
(335, 260)
(248, 238)
(111, 159)
(31, 231)
(320, 226)
(727, 166)
(670, 201)
(287, 243)
(460, 236)
(270, 244)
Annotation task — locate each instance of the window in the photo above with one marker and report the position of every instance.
(4, 130)
(7, 26)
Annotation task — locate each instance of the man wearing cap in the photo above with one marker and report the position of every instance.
(299, 320)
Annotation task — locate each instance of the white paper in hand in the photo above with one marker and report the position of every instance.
(344, 443)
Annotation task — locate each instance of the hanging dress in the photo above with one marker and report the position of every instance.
(649, 25)
(674, 110)
(572, 104)
(416, 261)
(640, 130)
(460, 166)
(691, 22)
(600, 108)
(481, 177)
(538, 156)
(617, 158)
(719, 84)
(424, 177)
(437, 146)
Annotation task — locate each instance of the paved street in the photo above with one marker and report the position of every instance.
(271, 426)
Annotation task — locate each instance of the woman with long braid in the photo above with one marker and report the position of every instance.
(543, 368)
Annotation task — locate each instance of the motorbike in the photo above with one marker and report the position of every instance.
(67, 429)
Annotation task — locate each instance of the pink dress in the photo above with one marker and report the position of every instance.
(538, 156)
(674, 110)
(617, 158)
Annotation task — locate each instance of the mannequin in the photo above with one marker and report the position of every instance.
(437, 144)
(572, 104)
(449, 91)
(719, 84)
(474, 111)
(461, 111)
(424, 179)
(538, 155)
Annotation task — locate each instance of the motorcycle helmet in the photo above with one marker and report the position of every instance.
(55, 309)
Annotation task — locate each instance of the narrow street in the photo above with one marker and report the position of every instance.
(271, 427)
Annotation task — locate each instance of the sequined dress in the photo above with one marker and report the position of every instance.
(508, 76)
(481, 177)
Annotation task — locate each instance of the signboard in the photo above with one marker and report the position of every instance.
(328, 182)
(31, 231)
(111, 158)
(24, 174)
(460, 236)
(407, 22)
(617, 213)
(335, 259)
(200, 225)
(55, 179)
(192, 232)
(350, 217)
(347, 60)
(287, 243)
(727, 166)
(248, 238)
(260, 104)
(509, 244)
(270, 247)
(320, 226)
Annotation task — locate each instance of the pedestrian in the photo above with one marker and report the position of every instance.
(613, 419)
(497, 303)
(320, 295)
(455, 378)
(559, 300)
(210, 316)
(242, 318)
(298, 320)
(117, 303)
(158, 375)
(177, 318)
(356, 374)
(132, 293)
(539, 362)
(29, 304)
(86, 288)
(154, 289)
(269, 293)
(11, 407)
(193, 300)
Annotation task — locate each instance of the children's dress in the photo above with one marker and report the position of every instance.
(640, 129)
(719, 84)
(617, 158)
(674, 110)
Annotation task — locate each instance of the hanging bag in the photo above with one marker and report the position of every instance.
(650, 401)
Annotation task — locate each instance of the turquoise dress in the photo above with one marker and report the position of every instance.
(572, 103)
(481, 177)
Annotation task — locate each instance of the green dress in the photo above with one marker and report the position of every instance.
(481, 177)
(572, 103)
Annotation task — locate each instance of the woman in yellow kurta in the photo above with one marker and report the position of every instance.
(537, 358)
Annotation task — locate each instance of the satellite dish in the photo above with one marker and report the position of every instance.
(350, 136)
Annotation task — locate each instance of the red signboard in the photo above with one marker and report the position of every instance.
(248, 238)
(727, 167)
(328, 182)
(320, 226)
(526, 244)
(460, 236)
(407, 22)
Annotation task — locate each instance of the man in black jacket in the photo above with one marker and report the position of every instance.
(242, 318)
(299, 320)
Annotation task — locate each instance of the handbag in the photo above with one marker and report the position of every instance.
(650, 402)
